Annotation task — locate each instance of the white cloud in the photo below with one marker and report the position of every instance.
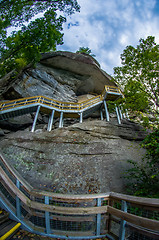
(107, 27)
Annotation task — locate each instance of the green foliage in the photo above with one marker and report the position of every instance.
(85, 50)
(136, 100)
(144, 177)
(42, 33)
(151, 143)
(139, 75)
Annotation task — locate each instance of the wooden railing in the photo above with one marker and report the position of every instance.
(86, 215)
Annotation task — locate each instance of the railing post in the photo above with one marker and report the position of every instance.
(101, 114)
(122, 222)
(61, 120)
(35, 119)
(51, 121)
(81, 117)
(117, 113)
(18, 201)
(106, 111)
(98, 217)
(120, 113)
(47, 217)
(126, 113)
(108, 223)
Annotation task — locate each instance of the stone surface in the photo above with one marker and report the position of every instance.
(60, 75)
(83, 158)
(1, 132)
(80, 158)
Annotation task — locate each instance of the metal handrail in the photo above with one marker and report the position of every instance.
(49, 102)
(55, 103)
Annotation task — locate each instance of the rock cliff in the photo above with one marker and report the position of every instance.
(80, 158)
(60, 75)
(83, 158)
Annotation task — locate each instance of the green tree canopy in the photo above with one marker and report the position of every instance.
(139, 78)
(139, 75)
(42, 33)
(85, 50)
(143, 177)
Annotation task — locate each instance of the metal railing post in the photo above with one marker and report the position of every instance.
(35, 119)
(51, 118)
(126, 113)
(61, 120)
(123, 112)
(120, 113)
(18, 211)
(117, 113)
(47, 217)
(101, 115)
(122, 222)
(106, 111)
(81, 117)
(98, 217)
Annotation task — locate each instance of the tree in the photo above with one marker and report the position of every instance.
(42, 33)
(139, 75)
(85, 50)
(144, 177)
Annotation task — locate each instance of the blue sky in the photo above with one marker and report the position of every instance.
(108, 26)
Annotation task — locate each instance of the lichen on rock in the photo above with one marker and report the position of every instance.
(82, 158)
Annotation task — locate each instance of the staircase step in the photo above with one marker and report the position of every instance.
(5, 226)
(3, 216)
(8, 227)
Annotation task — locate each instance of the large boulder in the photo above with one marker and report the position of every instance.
(83, 158)
(60, 75)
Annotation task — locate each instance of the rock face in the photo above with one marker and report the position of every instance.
(83, 158)
(60, 75)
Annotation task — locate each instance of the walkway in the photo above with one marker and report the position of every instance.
(10, 109)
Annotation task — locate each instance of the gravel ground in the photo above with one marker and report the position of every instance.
(30, 236)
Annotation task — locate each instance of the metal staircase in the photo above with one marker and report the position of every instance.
(10, 109)
(8, 227)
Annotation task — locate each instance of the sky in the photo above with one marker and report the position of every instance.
(108, 26)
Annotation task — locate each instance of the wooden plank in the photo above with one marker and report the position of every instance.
(6, 226)
(139, 221)
(143, 231)
(73, 233)
(71, 197)
(64, 218)
(114, 237)
(154, 202)
(5, 185)
(15, 174)
(113, 196)
(50, 208)
(13, 187)
(145, 207)
(72, 219)
(68, 210)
